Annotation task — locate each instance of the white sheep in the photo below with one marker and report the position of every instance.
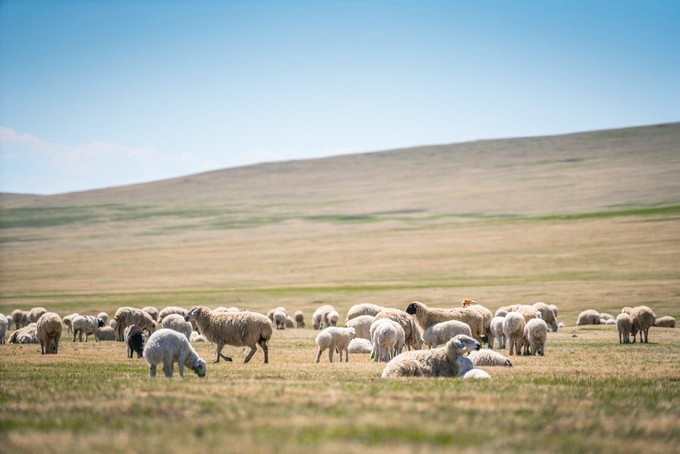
(86, 324)
(106, 333)
(387, 337)
(497, 332)
(35, 314)
(168, 346)
(331, 318)
(441, 333)
(196, 337)
(299, 319)
(48, 330)
(535, 335)
(437, 362)
(588, 317)
(486, 357)
(25, 335)
(320, 314)
(624, 325)
(561, 325)
(513, 329)
(547, 314)
(360, 345)
(501, 312)
(334, 338)
(665, 322)
(476, 374)
(610, 322)
(290, 322)
(362, 325)
(408, 324)
(4, 324)
(68, 319)
(176, 322)
(279, 317)
(152, 311)
(362, 309)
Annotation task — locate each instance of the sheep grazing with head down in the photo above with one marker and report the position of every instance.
(486, 357)
(535, 335)
(513, 329)
(443, 332)
(665, 322)
(48, 330)
(152, 311)
(299, 319)
(624, 325)
(387, 338)
(547, 314)
(177, 323)
(413, 335)
(497, 332)
(362, 325)
(68, 319)
(104, 316)
(427, 317)
(86, 324)
(331, 319)
(588, 317)
(35, 314)
(10, 321)
(643, 319)
(280, 319)
(290, 322)
(437, 362)
(482, 311)
(130, 316)
(332, 339)
(167, 346)
(320, 315)
(240, 329)
(20, 318)
(4, 324)
(26, 335)
(362, 309)
(134, 340)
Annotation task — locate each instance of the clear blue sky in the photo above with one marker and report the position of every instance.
(101, 93)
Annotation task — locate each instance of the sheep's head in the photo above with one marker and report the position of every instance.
(465, 343)
(193, 314)
(100, 323)
(627, 310)
(200, 367)
(352, 333)
(414, 307)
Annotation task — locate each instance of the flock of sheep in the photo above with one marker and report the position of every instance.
(165, 337)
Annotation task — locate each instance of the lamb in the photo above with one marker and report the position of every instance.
(333, 338)
(643, 319)
(413, 335)
(588, 317)
(547, 314)
(299, 319)
(279, 318)
(20, 318)
(362, 325)
(86, 324)
(331, 318)
(497, 332)
(513, 329)
(134, 340)
(486, 357)
(195, 337)
(176, 322)
(167, 346)
(442, 332)
(104, 316)
(476, 374)
(624, 325)
(26, 335)
(359, 345)
(48, 330)
(665, 322)
(4, 324)
(106, 333)
(387, 337)
(438, 362)
(535, 335)
(320, 314)
(362, 309)
(35, 314)
(482, 311)
(233, 328)
(68, 319)
(427, 317)
(152, 311)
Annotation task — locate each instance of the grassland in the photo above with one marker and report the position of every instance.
(585, 220)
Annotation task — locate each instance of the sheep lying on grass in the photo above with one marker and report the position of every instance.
(535, 335)
(359, 345)
(48, 331)
(486, 357)
(168, 346)
(624, 325)
(26, 335)
(438, 362)
(176, 322)
(362, 325)
(106, 333)
(134, 340)
(497, 332)
(240, 329)
(334, 338)
(476, 374)
(299, 319)
(513, 329)
(665, 322)
(387, 337)
(588, 317)
(290, 322)
(86, 324)
(362, 309)
(443, 332)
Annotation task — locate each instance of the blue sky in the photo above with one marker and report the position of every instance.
(102, 93)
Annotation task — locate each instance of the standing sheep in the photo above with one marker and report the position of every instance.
(438, 362)
(665, 322)
(299, 319)
(624, 325)
(362, 309)
(35, 314)
(86, 324)
(486, 357)
(331, 318)
(332, 339)
(443, 332)
(535, 335)
(643, 319)
(588, 317)
(168, 346)
(513, 329)
(427, 317)
(10, 322)
(483, 312)
(20, 318)
(130, 316)
(270, 314)
(290, 322)
(134, 340)
(413, 335)
(362, 325)
(387, 337)
(68, 319)
(48, 331)
(279, 317)
(497, 332)
(4, 323)
(152, 311)
(176, 322)
(547, 314)
(106, 333)
(320, 314)
(239, 329)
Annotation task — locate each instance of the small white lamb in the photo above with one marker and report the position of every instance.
(334, 338)
(167, 346)
(497, 332)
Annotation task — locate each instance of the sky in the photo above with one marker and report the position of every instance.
(102, 93)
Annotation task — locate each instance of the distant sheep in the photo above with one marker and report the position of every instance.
(528, 312)
(554, 308)
(290, 322)
(331, 318)
(106, 333)
(643, 319)
(4, 324)
(299, 319)
(320, 314)
(624, 325)
(152, 311)
(130, 316)
(48, 330)
(332, 339)
(588, 317)
(535, 336)
(68, 319)
(604, 317)
(134, 340)
(486, 357)
(20, 318)
(104, 316)
(437, 362)
(176, 322)
(362, 309)
(443, 332)
(482, 311)
(413, 335)
(362, 325)
(387, 338)
(26, 335)
(270, 314)
(427, 317)
(513, 329)
(171, 310)
(167, 346)
(502, 312)
(86, 324)
(497, 332)
(360, 345)
(226, 309)
(10, 322)
(561, 325)
(548, 315)
(665, 322)
(610, 322)
(279, 318)
(35, 314)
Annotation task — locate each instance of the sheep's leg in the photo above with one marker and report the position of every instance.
(74, 336)
(180, 364)
(168, 368)
(330, 354)
(491, 338)
(318, 354)
(347, 355)
(265, 350)
(253, 349)
(152, 371)
(340, 353)
(42, 348)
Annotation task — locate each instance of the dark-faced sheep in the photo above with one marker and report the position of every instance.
(427, 317)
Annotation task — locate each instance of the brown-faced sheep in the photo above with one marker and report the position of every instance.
(413, 335)
(48, 330)
(427, 317)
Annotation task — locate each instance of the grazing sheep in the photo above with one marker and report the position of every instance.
(176, 322)
(86, 324)
(486, 357)
(233, 328)
(427, 317)
(476, 374)
(35, 314)
(497, 332)
(513, 329)
(279, 317)
(168, 346)
(441, 333)
(299, 319)
(10, 322)
(360, 345)
(130, 316)
(171, 310)
(25, 335)
(290, 322)
(196, 337)
(362, 325)
(482, 311)
(331, 319)
(665, 322)
(387, 337)
(547, 314)
(528, 312)
(48, 330)
(270, 314)
(68, 319)
(362, 309)
(152, 311)
(643, 319)
(437, 362)
(320, 314)
(104, 316)
(4, 324)
(106, 333)
(134, 340)
(334, 338)
(535, 335)
(408, 324)
(624, 325)
(588, 317)
(20, 318)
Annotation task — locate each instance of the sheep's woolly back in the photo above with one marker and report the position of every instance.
(171, 310)
(484, 312)
(438, 362)
(588, 317)
(362, 325)
(362, 309)
(360, 345)
(239, 329)
(486, 357)
(167, 344)
(334, 337)
(427, 317)
(48, 331)
(177, 323)
(331, 318)
(528, 312)
(152, 311)
(388, 339)
(665, 322)
(35, 314)
(279, 317)
(26, 335)
(412, 333)
(442, 332)
(320, 314)
(195, 337)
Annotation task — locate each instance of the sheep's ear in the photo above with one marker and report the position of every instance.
(458, 344)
